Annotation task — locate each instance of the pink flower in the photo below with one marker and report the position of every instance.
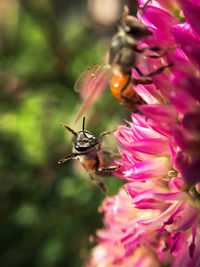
(160, 151)
(110, 251)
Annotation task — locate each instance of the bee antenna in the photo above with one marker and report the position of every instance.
(68, 128)
(83, 127)
(126, 12)
(144, 6)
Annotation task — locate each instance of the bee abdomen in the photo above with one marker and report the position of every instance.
(123, 91)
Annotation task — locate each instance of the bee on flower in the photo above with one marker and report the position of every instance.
(125, 54)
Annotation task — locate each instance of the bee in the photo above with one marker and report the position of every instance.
(88, 150)
(123, 56)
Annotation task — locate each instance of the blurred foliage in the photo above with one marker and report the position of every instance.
(47, 210)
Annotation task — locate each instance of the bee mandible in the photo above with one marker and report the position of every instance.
(122, 57)
(87, 149)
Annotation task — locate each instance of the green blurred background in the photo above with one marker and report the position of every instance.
(48, 211)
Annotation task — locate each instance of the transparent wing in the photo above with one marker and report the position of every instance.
(90, 84)
(96, 88)
(87, 80)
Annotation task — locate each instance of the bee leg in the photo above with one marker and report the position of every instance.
(102, 171)
(156, 56)
(98, 183)
(72, 156)
(158, 71)
(111, 154)
(110, 169)
(101, 137)
(145, 5)
(137, 81)
(158, 49)
(153, 48)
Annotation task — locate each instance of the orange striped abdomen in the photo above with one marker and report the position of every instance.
(128, 98)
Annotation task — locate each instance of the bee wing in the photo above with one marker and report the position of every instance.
(90, 84)
(90, 77)
(95, 91)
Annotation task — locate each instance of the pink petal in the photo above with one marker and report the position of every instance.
(181, 161)
(189, 41)
(176, 184)
(189, 216)
(185, 140)
(145, 94)
(158, 18)
(152, 146)
(151, 199)
(191, 12)
(191, 122)
(144, 132)
(179, 102)
(139, 120)
(165, 4)
(159, 112)
(191, 173)
(158, 221)
(161, 128)
(173, 152)
(159, 38)
(161, 81)
(188, 83)
(153, 168)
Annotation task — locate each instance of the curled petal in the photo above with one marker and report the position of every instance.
(151, 199)
(192, 244)
(189, 217)
(158, 221)
(176, 184)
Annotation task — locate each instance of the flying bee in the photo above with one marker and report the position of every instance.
(87, 149)
(123, 56)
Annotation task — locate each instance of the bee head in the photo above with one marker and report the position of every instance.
(134, 28)
(84, 140)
